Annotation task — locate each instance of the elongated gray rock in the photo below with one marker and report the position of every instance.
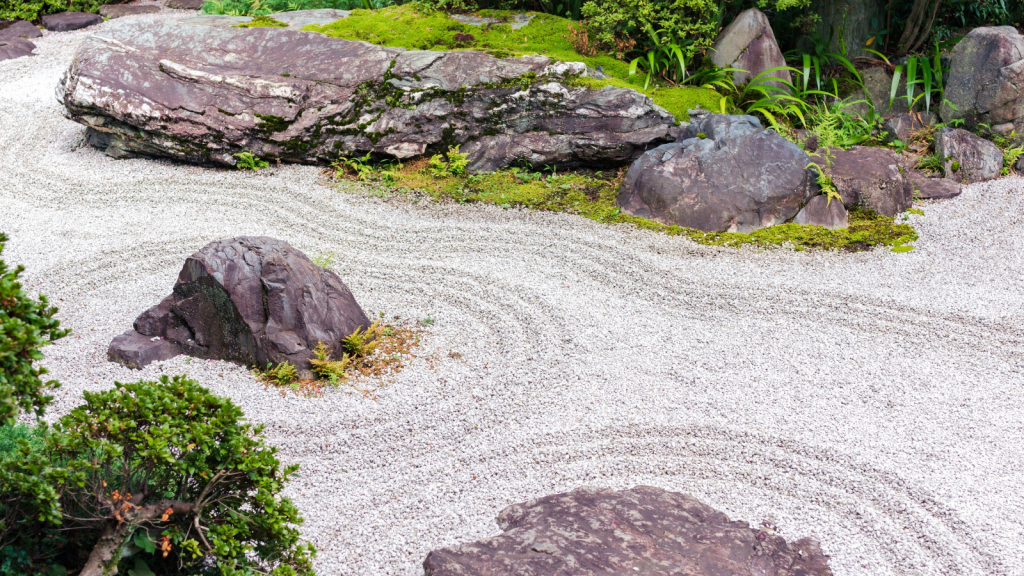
(15, 48)
(113, 11)
(18, 29)
(726, 174)
(203, 94)
(252, 300)
(986, 78)
(749, 44)
(643, 530)
(68, 21)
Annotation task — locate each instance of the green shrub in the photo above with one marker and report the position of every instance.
(264, 7)
(620, 26)
(26, 325)
(169, 474)
(32, 10)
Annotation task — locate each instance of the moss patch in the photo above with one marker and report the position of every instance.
(593, 196)
(405, 27)
(262, 22)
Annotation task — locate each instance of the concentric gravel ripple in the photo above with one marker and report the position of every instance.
(872, 400)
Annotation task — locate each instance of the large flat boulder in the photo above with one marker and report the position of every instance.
(643, 530)
(252, 300)
(871, 177)
(986, 79)
(15, 48)
(304, 97)
(68, 21)
(968, 158)
(749, 44)
(725, 174)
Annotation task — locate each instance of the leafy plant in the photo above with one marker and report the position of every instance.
(282, 375)
(246, 161)
(264, 7)
(824, 180)
(334, 371)
(362, 342)
(262, 21)
(455, 165)
(931, 163)
(26, 325)
(324, 260)
(613, 23)
(32, 9)
(426, 321)
(159, 472)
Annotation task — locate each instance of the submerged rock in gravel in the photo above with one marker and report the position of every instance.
(643, 530)
(18, 29)
(15, 48)
(871, 177)
(966, 157)
(252, 300)
(305, 97)
(822, 212)
(725, 174)
(68, 21)
(934, 188)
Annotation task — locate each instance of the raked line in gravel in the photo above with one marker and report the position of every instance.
(872, 400)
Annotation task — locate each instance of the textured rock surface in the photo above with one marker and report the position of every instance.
(934, 188)
(986, 78)
(120, 10)
(643, 530)
(748, 43)
(67, 21)
(251, 300)
(901, 126)
(820, 212)
(18, 29)
(871, 177)
(15, 48)
(304, 97)
(738, 178)
(966, 157)
(185, 4)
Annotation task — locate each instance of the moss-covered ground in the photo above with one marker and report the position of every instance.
(592, 195)
(405, 27)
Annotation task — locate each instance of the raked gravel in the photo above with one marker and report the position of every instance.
(873, 400)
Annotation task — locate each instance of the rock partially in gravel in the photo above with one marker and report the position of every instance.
(67, 21)
(15, 48)
(748, 43)
(821, 212)
(310, 98)
(986, 78)
(112, 11)
(934, 188)
(18, 29)
(902, 126)
(737, 178)
(252, 300)
(871, 177)
(966, 157)
(643, 530)
(185, 4)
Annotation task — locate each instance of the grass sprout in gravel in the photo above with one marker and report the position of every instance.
(592, 195)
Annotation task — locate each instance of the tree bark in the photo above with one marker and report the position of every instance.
(116, 534)
(916, 29)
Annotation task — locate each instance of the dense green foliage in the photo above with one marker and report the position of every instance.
(620, 26)
(33, 9)
(162, 475)
(26, 325)
(264, 7)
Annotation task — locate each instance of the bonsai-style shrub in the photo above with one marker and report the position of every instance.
(160, 477)
(26, 325)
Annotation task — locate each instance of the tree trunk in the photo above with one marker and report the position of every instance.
(116, 534)
(918, 26)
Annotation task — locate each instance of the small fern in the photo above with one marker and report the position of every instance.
(334, 371)
(246, 161)
(361, 343)
(828, 188)
(283, 374)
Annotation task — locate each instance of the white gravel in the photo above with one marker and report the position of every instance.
(872, 400)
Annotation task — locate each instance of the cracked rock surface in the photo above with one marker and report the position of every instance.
(202, 94)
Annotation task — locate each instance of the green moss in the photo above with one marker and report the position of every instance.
(594, 197)
(262, 22)
(404, 27)
(272, 123)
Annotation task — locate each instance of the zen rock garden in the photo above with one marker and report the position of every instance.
(456, 289)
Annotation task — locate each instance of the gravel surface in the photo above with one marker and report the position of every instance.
(872, 400)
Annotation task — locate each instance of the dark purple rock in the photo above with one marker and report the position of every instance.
(67, 21)
(113, 11)
(819, 211)
(934, 188)
(643, 530)
(18, 29)
(136, 350)
(749, 44)
(252, 300)
(902, 126)
(870, 177)
(300, 100)
(185, 4)
(966, 157)
(15, 48)
(738, 178)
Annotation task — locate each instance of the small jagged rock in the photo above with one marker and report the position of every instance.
(68, 21)
(251, 300)
(819, 211)
(643, 530)
(966, 157)
(310, 98)
(986, 80)
(902, 126)
(871, 177)
(749, 44)
(738, 177)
